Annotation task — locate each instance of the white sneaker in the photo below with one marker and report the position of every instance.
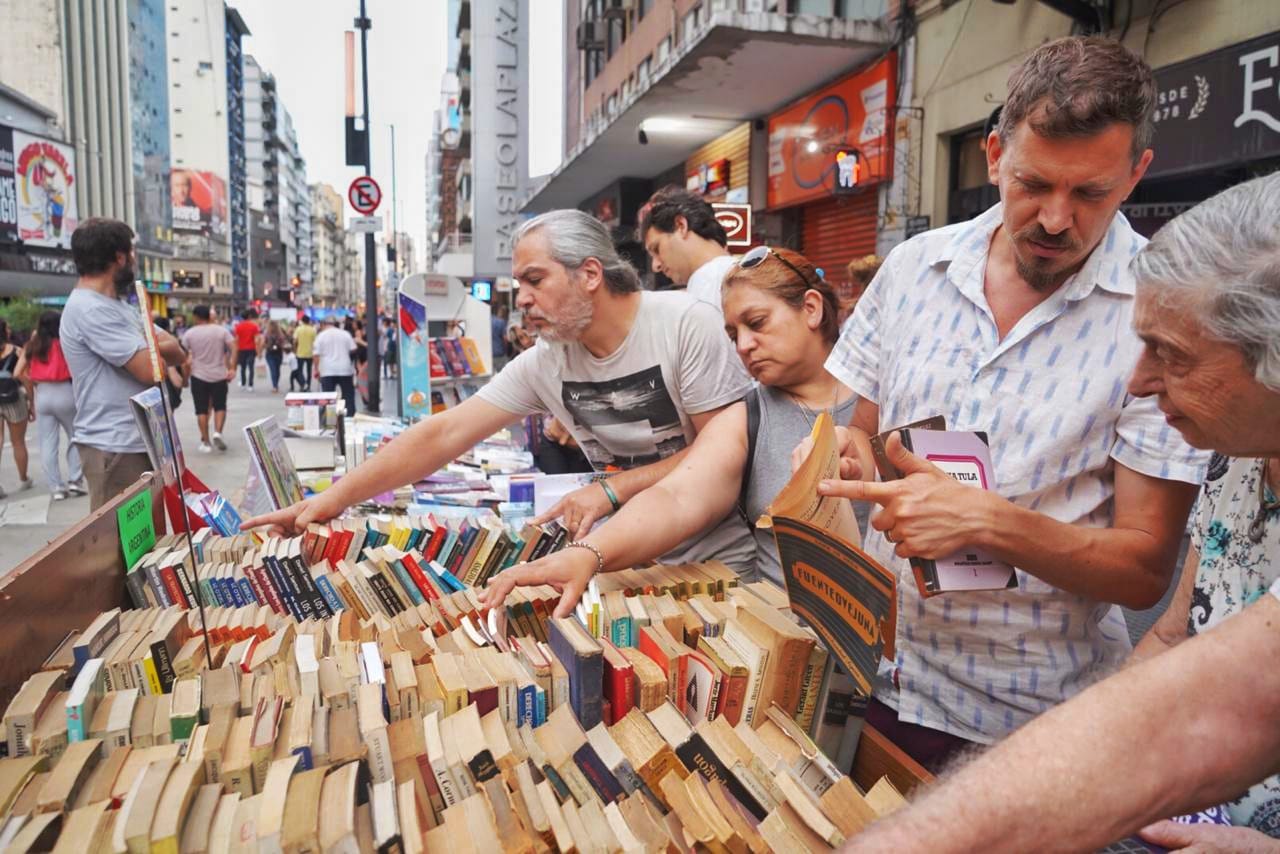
(24, 485)
(218, 443)
(206, 448)
(60, 495)
(77, 487)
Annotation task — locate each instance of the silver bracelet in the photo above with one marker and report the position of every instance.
(581, 544)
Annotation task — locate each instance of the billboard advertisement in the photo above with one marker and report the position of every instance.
(44, 175)
(8, 189)
(854, 114)
(199, 203)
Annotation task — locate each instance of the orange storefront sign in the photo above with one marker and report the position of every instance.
(855, 112)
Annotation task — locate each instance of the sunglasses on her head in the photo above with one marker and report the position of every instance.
(755, 257)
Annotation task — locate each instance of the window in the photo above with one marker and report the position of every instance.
(692, 21)
(643, 8)
(663, 51)
(642, 72)
(970, 191)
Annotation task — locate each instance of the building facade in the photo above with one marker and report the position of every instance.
(328, 245)
(1218, 112)
(152, 218)
(237, 165)
(747, 103)
(199, 152)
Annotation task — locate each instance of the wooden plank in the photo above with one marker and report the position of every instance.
(61, 588)
(878, 757)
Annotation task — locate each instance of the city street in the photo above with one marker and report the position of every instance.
(223, 471)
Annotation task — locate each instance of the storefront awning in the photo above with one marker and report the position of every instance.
(742, 66)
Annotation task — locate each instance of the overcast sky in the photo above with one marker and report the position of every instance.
(301, 43)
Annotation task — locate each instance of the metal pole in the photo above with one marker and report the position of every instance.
(374, 365)
(395, 280)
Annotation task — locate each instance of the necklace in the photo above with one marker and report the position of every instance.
(806, 412)
(1265, 508)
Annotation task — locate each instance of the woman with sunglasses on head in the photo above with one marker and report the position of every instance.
(782, 315)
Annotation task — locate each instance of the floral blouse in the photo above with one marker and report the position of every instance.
(1233, 573)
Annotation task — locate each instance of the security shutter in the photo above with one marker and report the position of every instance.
(837, 230)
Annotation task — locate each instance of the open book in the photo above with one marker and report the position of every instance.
(844, 594)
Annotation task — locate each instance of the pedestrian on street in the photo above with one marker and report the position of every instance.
(212, 367)
(498, 339)
(248, 345)
(44, 370)
(387, 343)
(102, 340)
(273, 343)
(333, 351)
(304, 339)
(15, 408)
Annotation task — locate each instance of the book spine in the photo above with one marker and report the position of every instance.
(385, 594)
(305, 759)
(810, 685)
(136, 582)
(300, 600)
(528, 705)
(163, 665)
(406, 581)
(419, 578)
(325, 586)
(77, 726)
(157, 588)
(267, 594)
(699, 758)
(305, 586)
(172, 588)
(184, 582)
(247, 593)
(598, 774)
(272, 570)
(482, 766)
(445, 783)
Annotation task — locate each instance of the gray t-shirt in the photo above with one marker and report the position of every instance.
(209, 345)
(633, 407)
(99, 335)
(783, 425)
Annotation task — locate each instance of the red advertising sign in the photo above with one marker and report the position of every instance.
(854, 113)
(736, 221)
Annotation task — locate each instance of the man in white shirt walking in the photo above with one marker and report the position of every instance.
(332, 359)
(685, 243)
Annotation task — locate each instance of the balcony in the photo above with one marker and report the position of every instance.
(732, 66)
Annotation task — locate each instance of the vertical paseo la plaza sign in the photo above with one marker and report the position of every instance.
(1218, 109)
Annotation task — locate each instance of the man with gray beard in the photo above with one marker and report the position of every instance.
(633, 375)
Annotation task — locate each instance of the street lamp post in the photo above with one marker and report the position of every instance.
(374, 366)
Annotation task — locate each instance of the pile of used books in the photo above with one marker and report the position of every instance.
(673, 711)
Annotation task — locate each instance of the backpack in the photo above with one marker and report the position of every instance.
(752, 400)
(10, 388)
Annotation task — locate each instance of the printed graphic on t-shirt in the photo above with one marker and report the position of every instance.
(632, 420)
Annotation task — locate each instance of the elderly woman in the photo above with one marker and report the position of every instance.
(1198, 724)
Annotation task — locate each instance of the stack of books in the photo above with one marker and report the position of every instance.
(387, 733)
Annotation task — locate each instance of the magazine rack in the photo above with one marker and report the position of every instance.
(62, 587)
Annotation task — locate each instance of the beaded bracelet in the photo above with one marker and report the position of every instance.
(581, 544)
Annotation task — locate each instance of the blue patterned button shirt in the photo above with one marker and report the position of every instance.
(1051, 397)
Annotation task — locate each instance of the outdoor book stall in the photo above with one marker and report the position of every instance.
(72, 585)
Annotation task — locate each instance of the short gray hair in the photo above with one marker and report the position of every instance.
(575, 236)
(1227, 252)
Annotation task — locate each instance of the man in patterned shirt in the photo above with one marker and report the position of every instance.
(1198, 724)
(1017, 323)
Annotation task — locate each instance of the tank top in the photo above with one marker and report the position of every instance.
(53, 369)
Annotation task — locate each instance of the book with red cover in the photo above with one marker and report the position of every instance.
(655, 641)
(419, 577)
(438, 371)
(619, 682)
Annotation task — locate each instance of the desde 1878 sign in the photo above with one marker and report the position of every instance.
(1218, 109)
